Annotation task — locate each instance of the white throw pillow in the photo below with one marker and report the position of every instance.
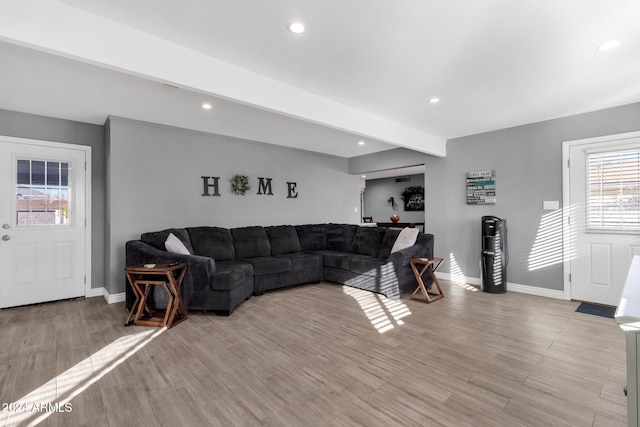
(405, 239)
(175, 246)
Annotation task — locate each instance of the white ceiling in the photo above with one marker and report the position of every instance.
(363, 70)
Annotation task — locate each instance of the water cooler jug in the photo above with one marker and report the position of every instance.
(495, 254)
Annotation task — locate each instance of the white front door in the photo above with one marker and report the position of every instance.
(42, 220)
(603, 215)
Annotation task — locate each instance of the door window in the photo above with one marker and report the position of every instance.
(613, 191)
(43, 195)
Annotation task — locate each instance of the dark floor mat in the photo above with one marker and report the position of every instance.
(595, 309)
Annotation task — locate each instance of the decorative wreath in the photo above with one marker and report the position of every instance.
(240, 184)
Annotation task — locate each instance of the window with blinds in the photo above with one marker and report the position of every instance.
(613, 190)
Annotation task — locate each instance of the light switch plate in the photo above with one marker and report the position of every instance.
(550, 205)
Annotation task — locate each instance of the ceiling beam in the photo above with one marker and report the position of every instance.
(63, 30)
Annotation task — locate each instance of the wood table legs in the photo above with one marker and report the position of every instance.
(139, 278)
(428, 265)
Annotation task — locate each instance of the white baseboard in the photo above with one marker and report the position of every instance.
(102, 292)
(534, 290)
(514, 287)
(93, 292)
(114, 298)
(476, 281)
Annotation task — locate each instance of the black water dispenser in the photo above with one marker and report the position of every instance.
(495, 254)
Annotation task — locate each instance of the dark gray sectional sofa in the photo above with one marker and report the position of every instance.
(227, 266)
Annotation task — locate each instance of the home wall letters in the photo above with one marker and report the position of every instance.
(211, 187)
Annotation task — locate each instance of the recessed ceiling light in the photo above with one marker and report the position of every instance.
(434, 100)
(297, 27)
(360, 142)
(611, 44)
(206, 106)
(364, 176)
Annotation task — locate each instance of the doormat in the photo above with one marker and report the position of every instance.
(598, 310)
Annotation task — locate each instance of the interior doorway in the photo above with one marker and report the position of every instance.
(383, 195)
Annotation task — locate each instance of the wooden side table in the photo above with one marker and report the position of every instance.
(430, 265)
(142, 278)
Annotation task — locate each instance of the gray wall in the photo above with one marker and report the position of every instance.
(378, 191)
(22, 125)
(528, 164)
(154, 175)
(155, 172)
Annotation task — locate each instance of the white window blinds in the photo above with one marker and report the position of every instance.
(613, 190)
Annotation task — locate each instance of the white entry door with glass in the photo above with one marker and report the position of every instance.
(42, 215)
(603, 215)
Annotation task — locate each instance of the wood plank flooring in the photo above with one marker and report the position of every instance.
(317, 355)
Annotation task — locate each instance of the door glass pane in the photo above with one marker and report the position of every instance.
(613, 195)
(43, 196)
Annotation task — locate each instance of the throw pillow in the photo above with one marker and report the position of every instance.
(406, 239)
(175, 246)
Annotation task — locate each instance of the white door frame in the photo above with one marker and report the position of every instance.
(566, 146)
(87, 186)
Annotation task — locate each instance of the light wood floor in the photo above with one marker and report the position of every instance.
(318, 355)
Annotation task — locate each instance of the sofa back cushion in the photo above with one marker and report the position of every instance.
(312, 237)
(214, 242)
(340, 237)
(368, 241)
(390, 236)
(283, 239)
(250, 242)
(157, 238)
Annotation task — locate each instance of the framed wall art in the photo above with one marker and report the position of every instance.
(481, 187)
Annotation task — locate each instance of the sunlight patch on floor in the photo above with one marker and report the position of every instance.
(55, 396)
(383, 313)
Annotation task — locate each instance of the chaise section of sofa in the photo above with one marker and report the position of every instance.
(214, 280)
(232, 282)
(227, 266)
(361, 257)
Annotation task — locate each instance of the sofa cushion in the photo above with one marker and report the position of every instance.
(312, 237)
(340, 237)
(231, 274)
(251, 242)
(283, 239)
(336, 259)
(157, 238)
(368, 241)
(390, 236)
(214, 242)
(302, 261)
(269, 265)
